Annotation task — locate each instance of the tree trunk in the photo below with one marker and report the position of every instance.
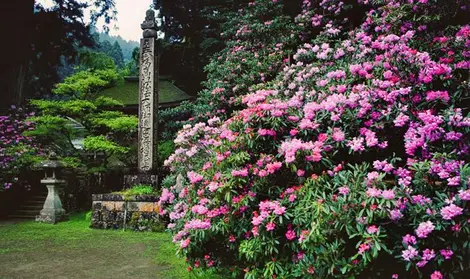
(17, 24)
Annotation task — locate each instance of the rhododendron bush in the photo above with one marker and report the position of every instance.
(351, 161)
(17, 151)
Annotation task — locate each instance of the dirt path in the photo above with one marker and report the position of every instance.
(32, 250)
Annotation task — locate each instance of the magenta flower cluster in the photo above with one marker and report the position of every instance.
(358, 146)
(14, 146)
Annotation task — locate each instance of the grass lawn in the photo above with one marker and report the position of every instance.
(72, 250)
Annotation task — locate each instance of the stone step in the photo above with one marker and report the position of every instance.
(18, 216)
(34, 202)
(27, 212)
(31, 207)
(37, 198)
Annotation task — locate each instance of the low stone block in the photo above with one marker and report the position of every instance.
(145, 206)
(139, 213)
(109, 205)
(119, 206)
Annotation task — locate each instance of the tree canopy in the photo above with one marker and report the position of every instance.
(40, 39)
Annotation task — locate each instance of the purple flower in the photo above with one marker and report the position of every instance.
(428, 254)
(194, 177)
(343, 190)
(373, 192)
(464, 195)
(450, 211)
(437, 275)
(290, 235)
(388, 194)
(409, 239)
(270, 226)
(446, 253)
(424, 229)
(395, 214)
(356, 144)
(409, 253)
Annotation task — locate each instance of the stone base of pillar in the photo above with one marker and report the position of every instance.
(52, 211)
(52, 218)
(135, 179)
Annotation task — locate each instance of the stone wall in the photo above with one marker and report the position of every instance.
(114, 211)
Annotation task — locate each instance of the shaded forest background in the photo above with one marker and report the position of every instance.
(41, 46)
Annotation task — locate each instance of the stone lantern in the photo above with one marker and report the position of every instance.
(52, 211)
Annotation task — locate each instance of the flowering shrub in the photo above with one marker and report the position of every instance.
(16, 150)
(257, 47)
(351, 162)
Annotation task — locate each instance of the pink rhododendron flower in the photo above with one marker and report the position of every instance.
(424, 229)
(254, 231)
(436, 275)
(428, 254)
(464, 195)
(362, 248)
(446, 253)
(197, 224)
(343, 190)
(395, 214)
(337, 135)
(437, 95)
(373, 192)
(388, 194)
(356, 144)
(409, 239)
(194, 177)
(372, 229)
(243, 172)
(450, 211)
(185, 243)
(290, 235)
(270, 226)
(409, 254)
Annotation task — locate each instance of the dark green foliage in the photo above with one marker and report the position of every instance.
(126, 46)
(86, 84)
(138, 189)
(192, 35)
(116, 54)
(41, 39)
(93, 60)
(132, 66)
(128, 93)
(165, 149)
(108, 135)
(236, 69)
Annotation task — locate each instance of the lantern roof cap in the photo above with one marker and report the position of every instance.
(51, 163)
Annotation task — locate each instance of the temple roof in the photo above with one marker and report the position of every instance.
(128, 92)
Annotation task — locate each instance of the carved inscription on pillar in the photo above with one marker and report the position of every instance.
(147, 105)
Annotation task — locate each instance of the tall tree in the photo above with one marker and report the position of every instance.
(116, 54)
(104, 46)
(38, 39)
(192, 32)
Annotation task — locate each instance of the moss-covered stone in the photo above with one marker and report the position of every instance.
(138, 213)
(128, 93)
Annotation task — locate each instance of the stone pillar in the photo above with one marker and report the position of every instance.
(148, 99)
(52, 211)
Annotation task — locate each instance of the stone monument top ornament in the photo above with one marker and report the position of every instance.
(149, 26)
